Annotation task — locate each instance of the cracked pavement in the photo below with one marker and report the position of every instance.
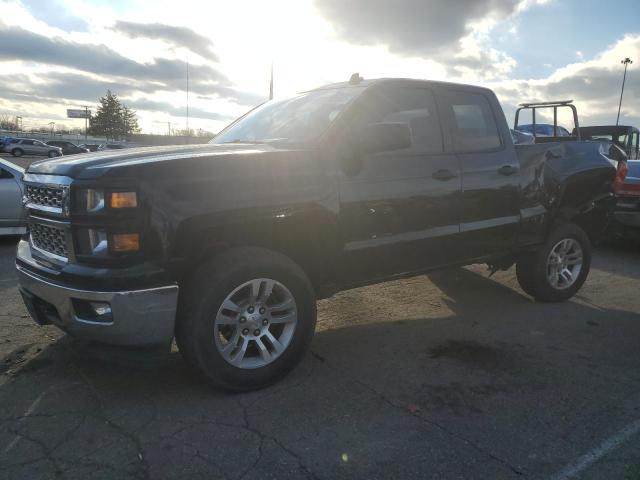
(455, 375)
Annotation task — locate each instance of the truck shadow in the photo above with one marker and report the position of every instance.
(492, 352)
(483, 328)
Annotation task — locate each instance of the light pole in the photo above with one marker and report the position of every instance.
(52, 125)
(626, 63)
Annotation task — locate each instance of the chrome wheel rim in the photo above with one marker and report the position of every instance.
(564, 263)
(255, 323)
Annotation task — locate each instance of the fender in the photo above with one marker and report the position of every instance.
(564, 182)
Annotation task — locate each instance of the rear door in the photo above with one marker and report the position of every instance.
(28, 147)
(489, 203)
(398, 208)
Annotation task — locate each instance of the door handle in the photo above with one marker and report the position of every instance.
(443, 175)
(507, 170)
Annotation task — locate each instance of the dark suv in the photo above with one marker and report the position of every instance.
(68, 148)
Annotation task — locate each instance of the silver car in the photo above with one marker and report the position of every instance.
(13, 218)
(28, 146)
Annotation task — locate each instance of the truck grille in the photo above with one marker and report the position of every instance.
(46, 196)
(48, 238)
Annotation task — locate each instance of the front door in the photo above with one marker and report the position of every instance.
(398, 209)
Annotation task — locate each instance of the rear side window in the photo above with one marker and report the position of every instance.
(472, 123)
(414, 106)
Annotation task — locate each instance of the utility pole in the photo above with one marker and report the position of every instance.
(169, 128)
(188, 134)
(626, 63)
(271, 84)
(86, 120)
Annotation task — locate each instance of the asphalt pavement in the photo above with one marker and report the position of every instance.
(455, 375)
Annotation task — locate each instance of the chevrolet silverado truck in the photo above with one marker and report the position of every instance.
(227, 246)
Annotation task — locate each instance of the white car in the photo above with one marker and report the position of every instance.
(13, 219)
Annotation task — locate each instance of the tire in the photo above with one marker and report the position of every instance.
(545, 276)
(201, 339)
(17, 152)
(52, 154)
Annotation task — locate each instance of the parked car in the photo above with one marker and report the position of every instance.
(13, 218)
(28, 146)
(544, 130)
(3, 141)
(624, 138)
(111, 146)
(68, 148)
(228, 245)
(522, 138)
(92, 147)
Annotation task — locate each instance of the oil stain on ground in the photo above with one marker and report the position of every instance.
(473, 354)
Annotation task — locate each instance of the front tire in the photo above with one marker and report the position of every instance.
(558, 270)
(17, 152)
(246, 318)
(53, 153)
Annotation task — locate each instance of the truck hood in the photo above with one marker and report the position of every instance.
(96, 164)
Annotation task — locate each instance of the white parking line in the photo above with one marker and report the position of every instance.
(589, 458)
(26, 414)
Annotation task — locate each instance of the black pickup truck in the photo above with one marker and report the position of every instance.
(227, 246)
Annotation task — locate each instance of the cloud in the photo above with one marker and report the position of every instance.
(20, 44)
(454, 33)
(411, 27)
(177, 36)
(54, 14)
(594, 85)
(176, 111)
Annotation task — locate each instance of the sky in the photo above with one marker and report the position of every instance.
(61, 54)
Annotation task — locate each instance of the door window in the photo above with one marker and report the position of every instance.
(473, 126)
(414, 106)
(27, 142)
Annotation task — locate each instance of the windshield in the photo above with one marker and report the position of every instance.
(299, 119)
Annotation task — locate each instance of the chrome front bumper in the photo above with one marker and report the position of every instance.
(138, 317)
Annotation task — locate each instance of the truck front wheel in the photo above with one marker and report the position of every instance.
(556, 272)
(246, 318)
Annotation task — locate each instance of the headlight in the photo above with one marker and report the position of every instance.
(96, 242)
(90, 200)
(125, 242)
(123, 200)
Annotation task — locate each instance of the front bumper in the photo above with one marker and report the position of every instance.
(138, 317)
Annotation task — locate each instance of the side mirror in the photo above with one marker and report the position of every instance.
(384, 137)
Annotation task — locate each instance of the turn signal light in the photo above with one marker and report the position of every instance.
(125, 242)
(124, 200)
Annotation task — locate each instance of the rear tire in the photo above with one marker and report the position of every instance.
(53, 153)
(254, 283)
(558, 270)
(17, 152)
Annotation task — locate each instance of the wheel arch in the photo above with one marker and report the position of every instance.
(307, 237)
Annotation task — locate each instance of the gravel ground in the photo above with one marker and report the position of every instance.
(455, 375)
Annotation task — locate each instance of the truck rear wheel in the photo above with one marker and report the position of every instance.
(246, 318)
(557, 271)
